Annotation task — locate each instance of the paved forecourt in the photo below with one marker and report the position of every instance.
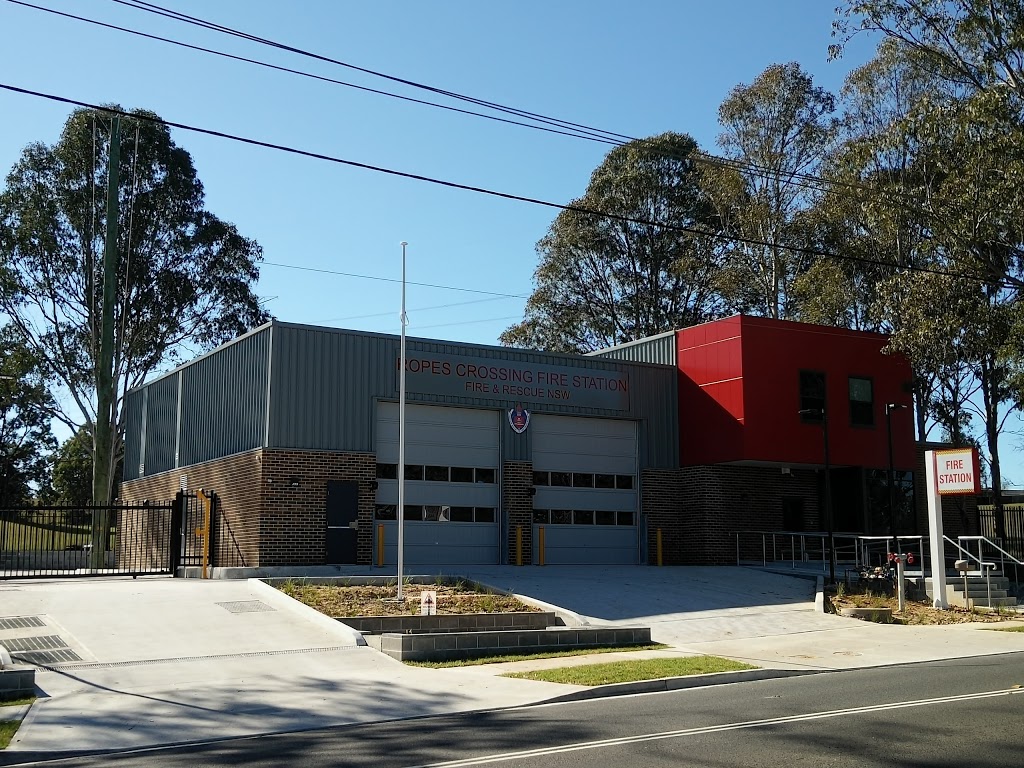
(165, 661)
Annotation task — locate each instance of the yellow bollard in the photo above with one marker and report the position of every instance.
(540, 545)
(519, 545)
(380, 545)
(659, 547)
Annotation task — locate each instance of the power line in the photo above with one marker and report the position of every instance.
(496, 294)
(311, 75)
(196, 21)
(420, 309)
(574, 130)
(465, 322)
(577, 130)
(807, 251)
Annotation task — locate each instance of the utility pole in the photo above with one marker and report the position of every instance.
(103, 440)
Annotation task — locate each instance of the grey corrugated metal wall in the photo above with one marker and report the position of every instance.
(323, 387)
(324, 383)
(222, 398)
(161, 406)
(133, 426)
(224, 401)
(659, 350)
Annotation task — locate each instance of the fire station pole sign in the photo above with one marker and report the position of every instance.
(947, 473)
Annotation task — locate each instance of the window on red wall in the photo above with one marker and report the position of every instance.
(862, 402)
(812, 395)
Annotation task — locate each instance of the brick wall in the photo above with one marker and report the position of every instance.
(265, 521)
(700, 510)
(236, 479)
(663, 506)
(294, 524)
(517, 506)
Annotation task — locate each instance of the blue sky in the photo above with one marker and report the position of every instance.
(638, 69)
(655, 67)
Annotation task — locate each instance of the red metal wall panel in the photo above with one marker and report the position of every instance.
(711, 405)
(740, 394)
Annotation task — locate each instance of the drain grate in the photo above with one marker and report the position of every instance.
(41, 643)
(21, 622)
(59, 656)
(245, 606)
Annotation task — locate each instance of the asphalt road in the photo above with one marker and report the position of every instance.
(965, 713)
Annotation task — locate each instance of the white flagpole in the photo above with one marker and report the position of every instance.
(401, 437)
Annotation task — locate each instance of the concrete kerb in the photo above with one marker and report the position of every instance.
(9, 713)
(275, 596)
(569, 618)
(663, 684)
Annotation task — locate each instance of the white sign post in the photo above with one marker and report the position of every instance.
(428, 603)
(947, 473)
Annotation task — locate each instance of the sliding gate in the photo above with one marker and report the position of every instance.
(128, 539)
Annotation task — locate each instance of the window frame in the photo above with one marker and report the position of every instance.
(865, 406)
(810, 402)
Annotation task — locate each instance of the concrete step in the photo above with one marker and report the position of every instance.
(983, 602)
(973, 582)
(1001, 581)
(980, 592)
(977, 592)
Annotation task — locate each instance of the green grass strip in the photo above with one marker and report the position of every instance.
(7, 730)
(632, 671)
(529, 656)
(1006, 629)
(18, 702)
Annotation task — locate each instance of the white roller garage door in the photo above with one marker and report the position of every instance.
(585, 473)
(451, 488)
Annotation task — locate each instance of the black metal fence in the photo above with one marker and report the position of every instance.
(120, 539)
(1013, 518)
(224, 550)
(91, 540)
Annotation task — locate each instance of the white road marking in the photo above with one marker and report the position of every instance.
(579, 746)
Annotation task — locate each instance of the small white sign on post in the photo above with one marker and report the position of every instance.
(428, 603)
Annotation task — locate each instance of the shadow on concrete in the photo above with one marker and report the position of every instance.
(619, 594)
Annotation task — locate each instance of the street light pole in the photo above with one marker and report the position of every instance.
(823, 413)
(889, 408)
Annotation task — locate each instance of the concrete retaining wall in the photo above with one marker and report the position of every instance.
(464, 622)
(17, 682)
(441, 646)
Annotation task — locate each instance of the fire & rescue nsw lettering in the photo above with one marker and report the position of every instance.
(450, 375)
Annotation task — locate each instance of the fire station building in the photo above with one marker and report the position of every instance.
(685, 438)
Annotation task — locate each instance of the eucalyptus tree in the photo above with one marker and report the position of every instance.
(184, 276)
(776, 132)
(962, 230)
(974, 44)
(636, 255)
(25, 436)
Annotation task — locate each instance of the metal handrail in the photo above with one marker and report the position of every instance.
(982, 564)
(994, 546)
(1003, 554)
(797, 541)
(985, 567)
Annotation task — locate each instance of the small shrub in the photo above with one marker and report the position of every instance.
(487, 603)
